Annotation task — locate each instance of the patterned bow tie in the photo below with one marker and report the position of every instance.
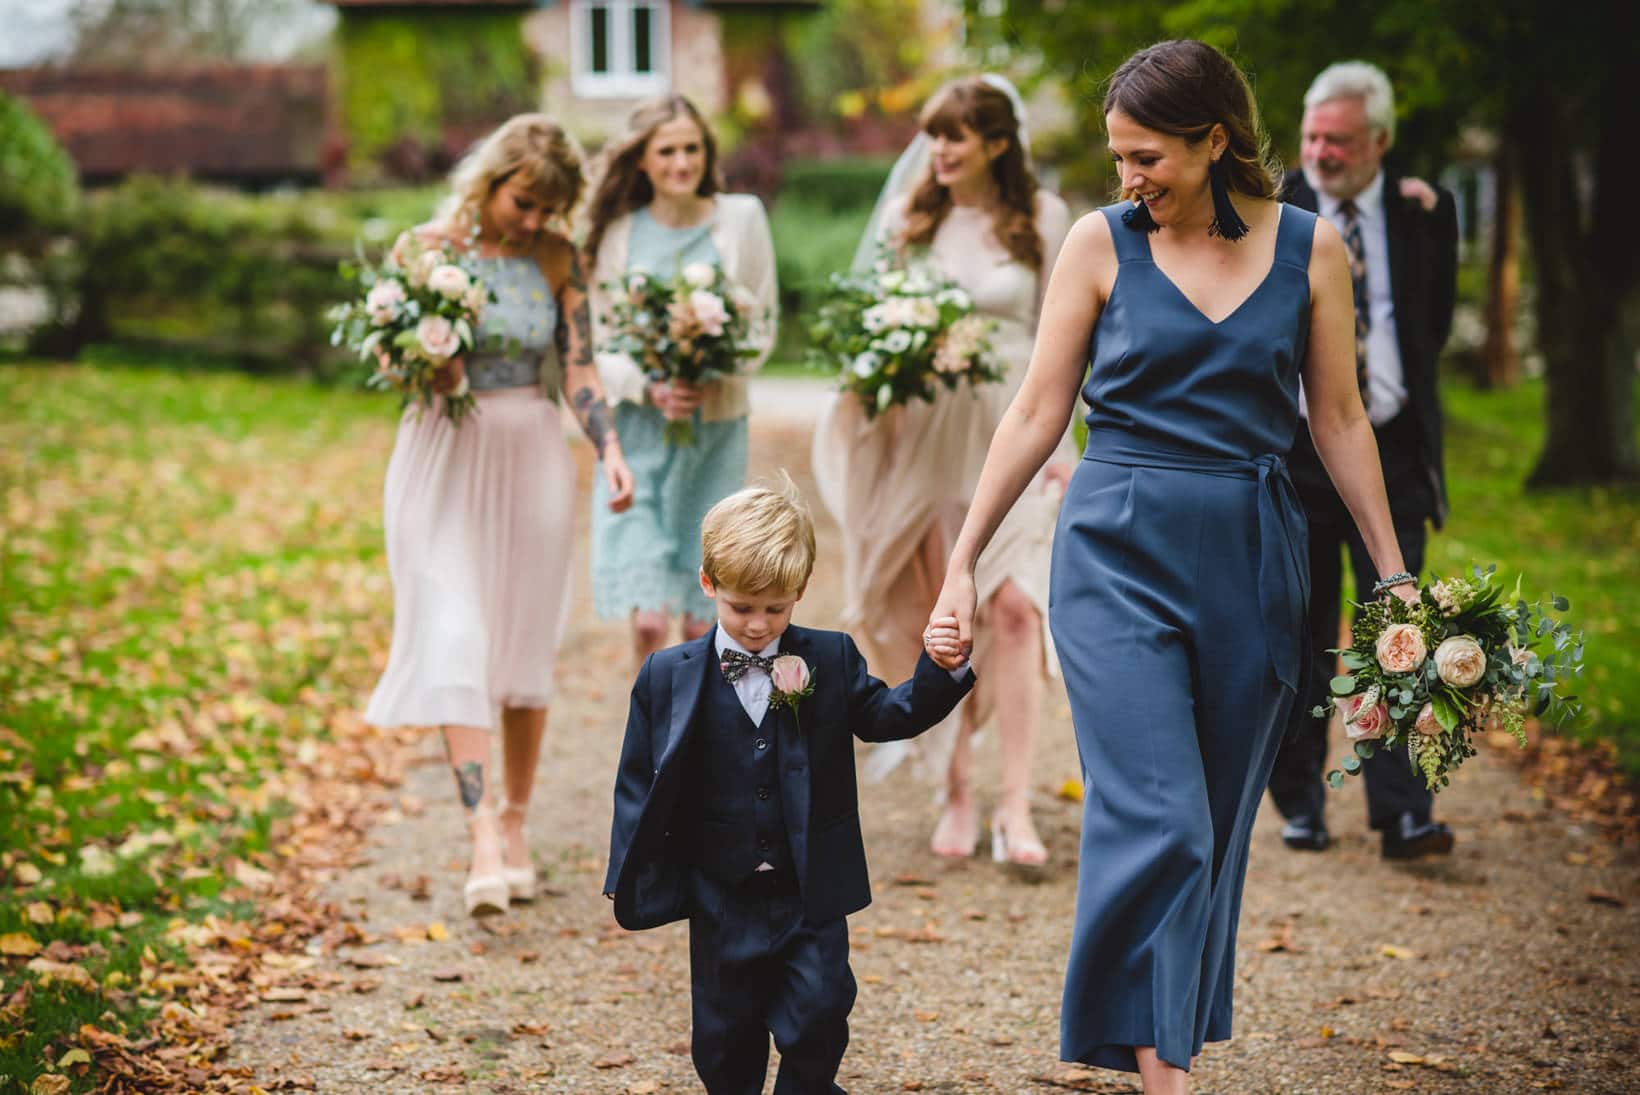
(736, 665)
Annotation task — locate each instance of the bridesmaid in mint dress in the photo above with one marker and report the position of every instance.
(658, 206)
(1179, 582)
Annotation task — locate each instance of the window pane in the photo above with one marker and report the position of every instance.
(643, 31)
(599, 15)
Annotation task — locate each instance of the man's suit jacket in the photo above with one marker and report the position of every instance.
(647, 873)
(1423, 273)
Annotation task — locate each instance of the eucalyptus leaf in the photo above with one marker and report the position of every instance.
(1335, 779)
(1342, 685)
(1352, 764)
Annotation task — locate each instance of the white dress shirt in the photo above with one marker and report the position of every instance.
(754, 686)
(1386, 380)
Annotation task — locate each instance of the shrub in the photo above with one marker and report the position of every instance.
(39, 188)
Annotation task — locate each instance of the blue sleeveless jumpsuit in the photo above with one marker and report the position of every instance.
(1177, 602)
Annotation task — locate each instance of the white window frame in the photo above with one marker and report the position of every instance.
(620, 82)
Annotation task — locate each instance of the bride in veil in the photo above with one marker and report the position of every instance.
(965, 194)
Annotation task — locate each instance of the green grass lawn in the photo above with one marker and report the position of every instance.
(192, 586)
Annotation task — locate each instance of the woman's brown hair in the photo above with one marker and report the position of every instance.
(971, 103)
(621, 186)
(1185, 87)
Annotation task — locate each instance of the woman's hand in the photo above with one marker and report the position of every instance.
(1408, 592)
(955, 607)
(448, 377)
(942, 641)
(618, 478)
(675, 399)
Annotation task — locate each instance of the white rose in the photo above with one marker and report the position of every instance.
(699, 275)
(438, 337)
(924, 313)
(423, 267)
(448, 281)
(1460, 661)
(865, 366)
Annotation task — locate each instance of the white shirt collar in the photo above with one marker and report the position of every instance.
(723, 642)
(1369, 203)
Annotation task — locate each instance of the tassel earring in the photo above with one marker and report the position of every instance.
(1139, 219)
(1227, 223)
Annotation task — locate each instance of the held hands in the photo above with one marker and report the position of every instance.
(949, 636)
(943, 641)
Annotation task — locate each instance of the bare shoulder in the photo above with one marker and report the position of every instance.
(1327, 246)
(1089, 243)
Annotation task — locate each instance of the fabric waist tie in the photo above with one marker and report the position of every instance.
(1283, 535)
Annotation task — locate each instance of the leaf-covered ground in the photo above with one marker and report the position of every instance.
(196, 829)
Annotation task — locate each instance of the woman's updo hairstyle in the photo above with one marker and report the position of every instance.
(1183, 88)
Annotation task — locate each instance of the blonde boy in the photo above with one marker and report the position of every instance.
(735, 803)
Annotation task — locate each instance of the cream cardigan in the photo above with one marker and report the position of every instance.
(740, 233)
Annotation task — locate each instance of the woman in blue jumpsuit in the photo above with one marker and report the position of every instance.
(1179, 577)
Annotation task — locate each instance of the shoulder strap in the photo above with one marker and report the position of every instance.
(1132, 244)
(1295, 236)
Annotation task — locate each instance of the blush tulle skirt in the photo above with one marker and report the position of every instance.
(479, 519)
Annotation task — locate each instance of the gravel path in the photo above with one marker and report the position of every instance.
(1511, 966)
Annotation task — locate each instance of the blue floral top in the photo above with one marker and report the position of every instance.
(515, 337)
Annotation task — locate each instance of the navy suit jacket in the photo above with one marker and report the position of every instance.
(647, 872)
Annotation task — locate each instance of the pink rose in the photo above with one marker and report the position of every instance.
(1364, 717)
(1401, 648)
(709, 311)
(449, 281)
(438, 337)
(1460, 661)
(1426, 723)
(383, 300)
(789, 674)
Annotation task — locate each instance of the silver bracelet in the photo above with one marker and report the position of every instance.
(1383, 585)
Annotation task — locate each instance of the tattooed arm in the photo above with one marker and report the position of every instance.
(586, 394)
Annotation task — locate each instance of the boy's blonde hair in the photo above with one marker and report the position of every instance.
(759, 539)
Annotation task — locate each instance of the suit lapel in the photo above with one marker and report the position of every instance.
(688, 680)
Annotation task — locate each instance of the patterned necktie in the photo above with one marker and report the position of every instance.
(736, 665)
(1358, 283)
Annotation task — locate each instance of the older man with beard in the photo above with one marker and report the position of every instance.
(1402, 239)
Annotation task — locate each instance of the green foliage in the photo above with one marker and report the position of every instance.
(851, 45)
(39, 188)
(419, 74)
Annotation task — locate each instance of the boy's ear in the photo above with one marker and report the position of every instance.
(706, 585)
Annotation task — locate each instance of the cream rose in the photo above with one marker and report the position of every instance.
(1364, 717)
(1460, 661)
(423, 267)
(699, 275)
(790, 675)
(1401, 648)
(448, 281)
(437, 337)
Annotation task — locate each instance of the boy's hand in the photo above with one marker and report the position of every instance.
(943, 641)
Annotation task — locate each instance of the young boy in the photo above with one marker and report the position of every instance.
(735, 802)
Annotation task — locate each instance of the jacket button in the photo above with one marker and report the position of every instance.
(763, 792)
(761, 744)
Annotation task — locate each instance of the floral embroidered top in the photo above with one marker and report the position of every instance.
(515, 338)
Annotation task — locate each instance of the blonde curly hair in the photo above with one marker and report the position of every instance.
(531, 148)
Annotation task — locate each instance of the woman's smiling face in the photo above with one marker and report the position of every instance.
(1167, 173)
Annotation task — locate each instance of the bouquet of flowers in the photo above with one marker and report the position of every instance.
(1435, 672)
(417, 309)
(894, 333)
(694, 328)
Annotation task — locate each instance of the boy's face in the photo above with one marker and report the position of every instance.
(754, 620)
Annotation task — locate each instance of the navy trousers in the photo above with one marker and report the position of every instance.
(758, 968)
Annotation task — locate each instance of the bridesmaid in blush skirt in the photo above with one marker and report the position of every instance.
(1178, 589)
(479, 516)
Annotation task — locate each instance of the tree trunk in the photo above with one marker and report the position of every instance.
(1584, 255)
(1500, 363)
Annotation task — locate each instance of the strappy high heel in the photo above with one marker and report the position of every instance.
(521, 881)
(1025, 857)
(484, 894)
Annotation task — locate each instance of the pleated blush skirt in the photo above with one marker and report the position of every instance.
(479, 520)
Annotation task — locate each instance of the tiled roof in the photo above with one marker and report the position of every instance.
(233, 122)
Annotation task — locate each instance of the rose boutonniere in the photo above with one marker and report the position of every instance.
(792, 682)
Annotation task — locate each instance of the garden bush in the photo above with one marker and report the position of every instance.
(39, 188)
